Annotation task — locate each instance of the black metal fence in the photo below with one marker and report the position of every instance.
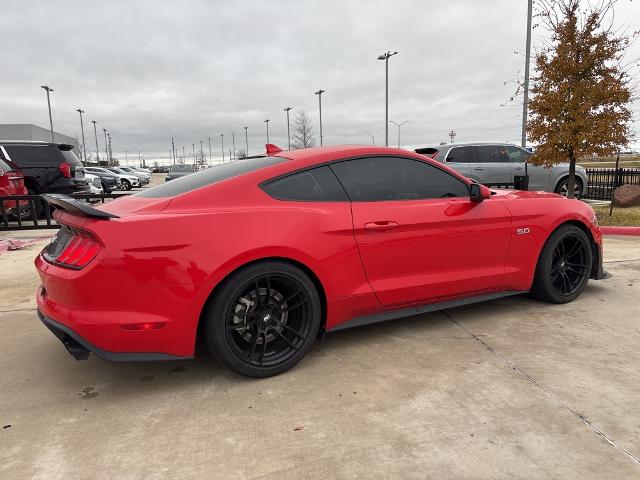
(32, 212)
(603, 181)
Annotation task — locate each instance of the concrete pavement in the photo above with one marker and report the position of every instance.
(512, 389)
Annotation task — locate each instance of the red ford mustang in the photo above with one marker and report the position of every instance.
(261, 256)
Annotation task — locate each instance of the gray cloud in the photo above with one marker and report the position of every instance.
(148, 71)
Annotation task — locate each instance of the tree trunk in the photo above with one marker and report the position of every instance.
(572, 175)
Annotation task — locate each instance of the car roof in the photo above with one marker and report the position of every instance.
(444, 146)
(318, 155)
(37, 143)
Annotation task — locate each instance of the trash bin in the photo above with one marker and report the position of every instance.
(521, 182)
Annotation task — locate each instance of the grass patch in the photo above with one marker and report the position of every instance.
(623, 217)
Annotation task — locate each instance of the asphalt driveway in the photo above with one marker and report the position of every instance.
(509, 389)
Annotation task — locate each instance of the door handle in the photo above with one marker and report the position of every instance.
(380, 226)
(478, 168)
(518, 168)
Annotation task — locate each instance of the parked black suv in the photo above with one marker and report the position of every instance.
(47, 167)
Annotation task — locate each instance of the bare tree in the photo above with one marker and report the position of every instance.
(242, 153)
(302, 132)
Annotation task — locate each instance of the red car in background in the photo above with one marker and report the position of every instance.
(259, 257)
(11, 183)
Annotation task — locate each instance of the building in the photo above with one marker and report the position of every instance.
(25, 131)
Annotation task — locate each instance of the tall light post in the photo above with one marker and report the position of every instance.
(452, 136)
(222, 145)
(48, 90)
(386, 57)
(373, 139)
(84, 145)
(184, 157)
(527, 62)
(173, 150)
(110, 151)
(95, 134)
(201, 153)
(246, 140)
(399, 125)
(106, 145)
(209, 149)
(193, 145)
(267, 122)
(233, 140)
(288, 127)
(319, 93)
(126, 158)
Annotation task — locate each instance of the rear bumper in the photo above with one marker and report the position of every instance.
(80, 348)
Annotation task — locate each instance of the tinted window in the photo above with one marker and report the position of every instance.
(318, 184)
(459, 155)
(70, 157)
(209, 176)
(492, 154)
(392, 178)
(26, 156)
(4, 166)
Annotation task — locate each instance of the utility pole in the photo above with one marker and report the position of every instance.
(399, 125)
(209, 150)
(95, 134)
(452, 135)
(84, 145)
(222, 145)
(288, 126)
(106, 145)
(267, 122)
(246, 140)
(386, 57)
(527, 62)
(319, 93)
(49, 90)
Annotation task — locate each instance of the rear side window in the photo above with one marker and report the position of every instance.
(209, 176)
(378, 179)
(4, 166)
(459, 155)
(70, 157)
(315, 185)
(493, 154)
(28, 156)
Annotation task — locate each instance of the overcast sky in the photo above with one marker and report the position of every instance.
(151, 70)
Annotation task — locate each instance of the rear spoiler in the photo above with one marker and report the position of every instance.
(76, 207)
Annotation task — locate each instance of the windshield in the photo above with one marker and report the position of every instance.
(209, 176)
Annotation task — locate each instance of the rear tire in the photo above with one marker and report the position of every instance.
(263, 319)
(564, 266)
(126, 184)
(563, 188)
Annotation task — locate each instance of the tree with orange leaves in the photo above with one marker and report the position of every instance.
(581, 88)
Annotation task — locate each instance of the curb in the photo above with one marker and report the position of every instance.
(635, 231)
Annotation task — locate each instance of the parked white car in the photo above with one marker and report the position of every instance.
(127, 181)
(95, 184)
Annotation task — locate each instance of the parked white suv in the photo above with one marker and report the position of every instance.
(497, 164)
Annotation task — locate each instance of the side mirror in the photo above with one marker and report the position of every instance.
(479, 192)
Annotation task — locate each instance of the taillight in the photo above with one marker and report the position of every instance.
(65, 169)
(72, 248)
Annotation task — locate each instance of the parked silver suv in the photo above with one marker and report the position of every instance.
(496, 164)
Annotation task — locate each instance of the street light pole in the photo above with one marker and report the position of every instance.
(267, 122)
(201, 153)
(110, 151)
(84, 145)
(48, 90)
(233, 140)
(398, 125)
(95, 134)
(373, 139)
(385, 57)
(106, 145)
(209, 149)
(193, 145)
(173, 150)
(246, 140)
(319, 93)
(527, 62)
(222, 145)
(288, 126)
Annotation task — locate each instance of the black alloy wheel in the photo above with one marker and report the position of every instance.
(564, 266)
(264, 319)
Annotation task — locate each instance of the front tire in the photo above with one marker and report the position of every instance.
(126, 184)
(564, 266)
(263, 319)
